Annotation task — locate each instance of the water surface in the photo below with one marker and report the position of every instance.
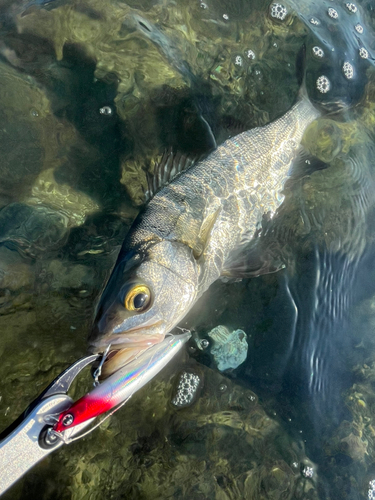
(91, 95)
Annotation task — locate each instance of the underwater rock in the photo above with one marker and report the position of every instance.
(229, 349)
(31, 138)
(32, 230)
(70, 275)
(349, 440)
(17, 282)
(133, 177)
(74, 205)
(15, 273)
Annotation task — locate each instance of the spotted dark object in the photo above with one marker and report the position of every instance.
(338, 51)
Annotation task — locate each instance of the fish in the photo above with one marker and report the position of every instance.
(202, 220)
(193, 231)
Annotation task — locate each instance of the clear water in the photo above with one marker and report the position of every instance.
(91, 93)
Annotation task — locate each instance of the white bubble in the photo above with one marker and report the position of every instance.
(323, 84)
(348, 70)
(203, 5)
(238, 61)
(314, 21)
(308, 471)
(351, 7)
(106, 110)
(333, 13)
(371, 490)
(318, 52)
(278, 11)
(359, 28)
(203, 344)
(250, 54)
(363, 53)
(226, 17)
(186, 389)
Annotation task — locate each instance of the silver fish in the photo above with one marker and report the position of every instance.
(193, 231)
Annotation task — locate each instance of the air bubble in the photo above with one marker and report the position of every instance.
(318, 52)
(323, 84)
(351, 7)
(238, 61)
(250, 54)
(223, 387)
(308, 472)
(203, 344)
(333, 13)
(314, 21)
(278, 11)
(225, 17)
(363, 53)
(348, 70)
(187, 388)
(359, 28)
(371, 490)
(106, 110)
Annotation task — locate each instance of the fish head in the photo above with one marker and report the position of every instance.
(148, 293)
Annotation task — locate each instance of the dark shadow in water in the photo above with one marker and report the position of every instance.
(93, 163)
(90, 108)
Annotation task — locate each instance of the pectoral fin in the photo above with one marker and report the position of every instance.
(253, 259)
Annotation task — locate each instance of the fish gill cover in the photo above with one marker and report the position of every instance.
(89, 101)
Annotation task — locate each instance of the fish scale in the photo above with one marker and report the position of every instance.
(266, 154)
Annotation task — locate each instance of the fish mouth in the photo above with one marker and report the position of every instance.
(117, 358)
(122, 353)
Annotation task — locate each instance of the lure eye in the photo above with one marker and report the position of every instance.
(138, 298)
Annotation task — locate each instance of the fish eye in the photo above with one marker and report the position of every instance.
(137, 298)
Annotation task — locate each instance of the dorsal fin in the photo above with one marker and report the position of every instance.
(170, 166)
